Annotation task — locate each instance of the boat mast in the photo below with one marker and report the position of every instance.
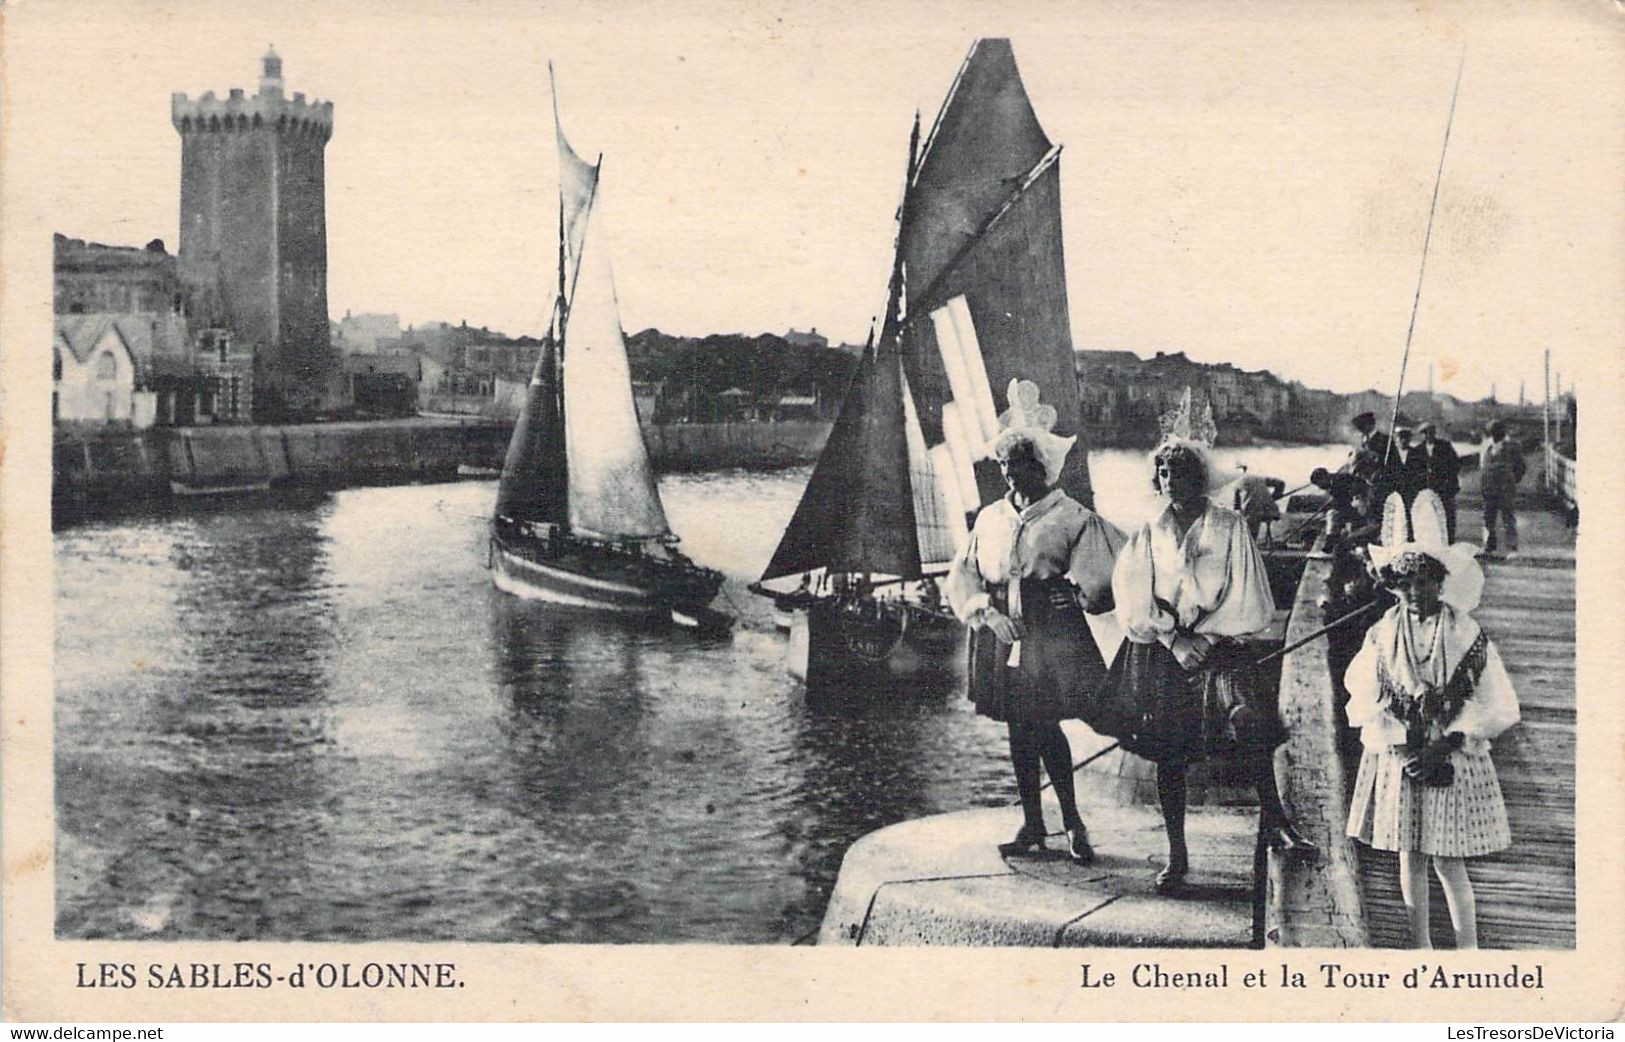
(558, 307)
(893, 323)
(553, 352)
(891, 327)
(856, 514)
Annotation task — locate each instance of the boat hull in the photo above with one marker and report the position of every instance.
(833, 652)
(594, 582)
(183, 488)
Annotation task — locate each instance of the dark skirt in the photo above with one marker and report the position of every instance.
(1061, 670)
(1160, 712)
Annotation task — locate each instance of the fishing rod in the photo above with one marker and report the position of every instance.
(1427, 238)
(1303, 524)
(1080, 765)
(1342, 620)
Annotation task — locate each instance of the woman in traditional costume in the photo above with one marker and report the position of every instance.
(1428, 692)
(1035, 562)
(1190, 587)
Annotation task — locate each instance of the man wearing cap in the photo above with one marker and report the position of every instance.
(1397, 471)
(1372, 448)
(1439, 468)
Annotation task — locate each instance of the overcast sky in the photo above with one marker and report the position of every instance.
(1244, 182)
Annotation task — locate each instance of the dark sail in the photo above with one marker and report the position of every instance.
(857, 512)
(535, 481)
(983, 221)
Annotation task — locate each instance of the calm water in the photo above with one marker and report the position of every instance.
(319, 721)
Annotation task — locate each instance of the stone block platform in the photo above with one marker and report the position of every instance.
(941, 881)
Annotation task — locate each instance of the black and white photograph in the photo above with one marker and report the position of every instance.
(708, 480)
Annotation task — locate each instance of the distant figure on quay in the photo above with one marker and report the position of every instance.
(1439, 469)
(1254, 499)
(1501, 467)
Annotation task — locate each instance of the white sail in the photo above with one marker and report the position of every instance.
(578, 182)
(612, 487)
(962, 360)
(939, 528)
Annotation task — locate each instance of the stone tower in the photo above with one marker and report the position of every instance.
(253, 237)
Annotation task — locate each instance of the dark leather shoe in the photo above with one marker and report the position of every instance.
(1078, 845)
(1291, 843)
(1171, 880)
(1029, 838)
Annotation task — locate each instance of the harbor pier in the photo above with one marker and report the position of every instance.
(1526, 894)
(941, 879)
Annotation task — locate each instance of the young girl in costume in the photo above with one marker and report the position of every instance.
(1428, 692)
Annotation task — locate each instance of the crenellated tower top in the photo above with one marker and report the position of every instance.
(267, 109)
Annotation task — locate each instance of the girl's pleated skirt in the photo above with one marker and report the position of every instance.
(1466, 818)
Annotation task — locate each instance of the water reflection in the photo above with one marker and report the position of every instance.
(322, 723)
(203, 760)
(865, 768)
(574, 684)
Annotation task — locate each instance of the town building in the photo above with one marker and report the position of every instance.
(123, 351)
(384, 385)
(92, 277)
(1124, 395)
(105, 366)
(360, 334)
(253, 236)
(811, 338)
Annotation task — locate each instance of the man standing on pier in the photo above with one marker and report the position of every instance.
(1254, 499)
(1372, 448)
(1439, 469)
(1396, 471)
(1501, 465)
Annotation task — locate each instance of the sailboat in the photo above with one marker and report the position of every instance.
(977, 298)
(578, 518)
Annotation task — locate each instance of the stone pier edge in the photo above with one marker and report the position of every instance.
(1315, 905)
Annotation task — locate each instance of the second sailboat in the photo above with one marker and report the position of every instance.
(578, 518)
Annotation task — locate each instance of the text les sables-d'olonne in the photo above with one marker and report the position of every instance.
(369, 975)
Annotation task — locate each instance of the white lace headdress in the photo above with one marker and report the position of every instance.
(1191, 427)
(1030, 420)
(1423, 532)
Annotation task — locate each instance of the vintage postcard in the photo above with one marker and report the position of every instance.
(791, 511)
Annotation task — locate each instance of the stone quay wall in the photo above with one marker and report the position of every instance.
(95, 469)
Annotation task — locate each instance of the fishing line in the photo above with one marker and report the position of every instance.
(1427, 238)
